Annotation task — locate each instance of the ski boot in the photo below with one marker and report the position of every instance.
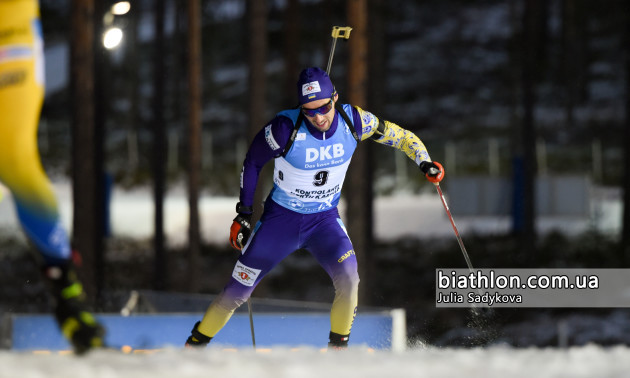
(197, 339)
(77, 324)
(337, 341)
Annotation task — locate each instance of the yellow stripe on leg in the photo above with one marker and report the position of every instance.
(214, 319)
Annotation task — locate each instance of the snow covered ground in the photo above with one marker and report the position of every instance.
(395, 216)
(500, 362)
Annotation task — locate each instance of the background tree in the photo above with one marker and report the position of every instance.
(159, 146)
(86, 235)
(291, 51)
(359, 187)
(573, 57)
(257, 85)
(625, 234)
(195, 83)
(532, 68)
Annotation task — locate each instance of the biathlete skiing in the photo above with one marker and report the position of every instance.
(311, 146)
(21, 97)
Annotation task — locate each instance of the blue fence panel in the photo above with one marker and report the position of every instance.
(34, 332)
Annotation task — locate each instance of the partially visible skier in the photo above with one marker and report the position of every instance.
(21, 97)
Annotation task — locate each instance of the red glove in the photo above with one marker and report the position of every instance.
(433, 171)
(240, 231)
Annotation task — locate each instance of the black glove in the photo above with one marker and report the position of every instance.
(433, 171)
(241, 227)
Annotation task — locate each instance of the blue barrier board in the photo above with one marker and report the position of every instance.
(153, 331)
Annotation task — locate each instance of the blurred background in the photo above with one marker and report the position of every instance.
(525, 102)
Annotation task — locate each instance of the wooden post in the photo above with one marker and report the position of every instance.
(159, 147)
(625, 238)
(194, 140)
(291, 51)
(358, 191)
(257, 37)
(84, 229)
(527, 230)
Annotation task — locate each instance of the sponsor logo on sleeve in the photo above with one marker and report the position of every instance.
(271, 141)
(244, 274)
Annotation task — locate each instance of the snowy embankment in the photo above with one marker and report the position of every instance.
(588, 361)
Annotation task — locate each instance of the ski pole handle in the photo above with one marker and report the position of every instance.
(337, 32)
(341, 32)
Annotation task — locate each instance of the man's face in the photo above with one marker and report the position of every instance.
(322, 122)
